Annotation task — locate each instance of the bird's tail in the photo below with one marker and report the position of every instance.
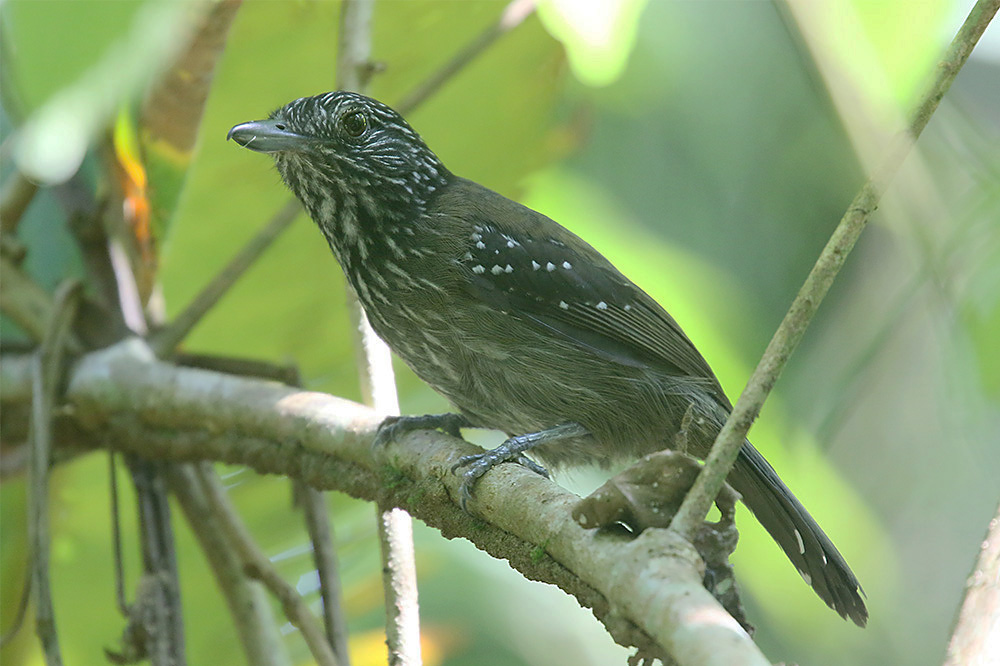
(806, 545)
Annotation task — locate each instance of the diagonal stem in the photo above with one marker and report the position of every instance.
(327, 566)
(166, 340)
(241, 568)
(45, 376)
(513, 15)
(730, 440)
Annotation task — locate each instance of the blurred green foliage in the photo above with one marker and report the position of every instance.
(711, 171)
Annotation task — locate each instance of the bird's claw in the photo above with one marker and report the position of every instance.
(387, 432)
(480, 463)
(532, 465)
(393, 427)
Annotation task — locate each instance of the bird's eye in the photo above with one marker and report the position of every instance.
(355, 123)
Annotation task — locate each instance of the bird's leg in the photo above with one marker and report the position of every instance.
(512, 450)
(394, 427)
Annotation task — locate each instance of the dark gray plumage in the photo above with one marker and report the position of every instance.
(520, 324)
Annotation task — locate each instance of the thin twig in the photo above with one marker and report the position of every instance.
(166, 340)
(15, 196)
(116, 538)
(247, 600)
(46, 372)
(327, 567)
(17, 383)
(86, 224)
(513, 15)
(320, 528)
(158, 601)
(22, 610)
(789, 334)
(256, 565)
(24, 301)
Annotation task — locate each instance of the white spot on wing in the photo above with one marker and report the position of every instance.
(567, 265)
(496, 270)
(602, 306)
(550, 267)
(564, 305)
(802, 546)
(535, 265)
(478, 269)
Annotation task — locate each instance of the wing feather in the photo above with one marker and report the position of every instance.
(519, 262)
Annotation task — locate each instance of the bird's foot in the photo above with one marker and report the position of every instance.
(394, 427)
(480, 463)
(511, 450)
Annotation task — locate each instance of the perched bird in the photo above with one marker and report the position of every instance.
(520, 324)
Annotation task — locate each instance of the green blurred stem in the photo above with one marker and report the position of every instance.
(46, 372)
(513, 15)
(25, 302)
(165, 341)
(116, 537)
(15, 196)
(727, 446)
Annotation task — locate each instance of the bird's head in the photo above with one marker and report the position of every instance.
(350, 159)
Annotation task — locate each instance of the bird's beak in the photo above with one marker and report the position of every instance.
(267, 136)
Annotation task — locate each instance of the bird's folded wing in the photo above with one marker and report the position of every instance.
(539, 271)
